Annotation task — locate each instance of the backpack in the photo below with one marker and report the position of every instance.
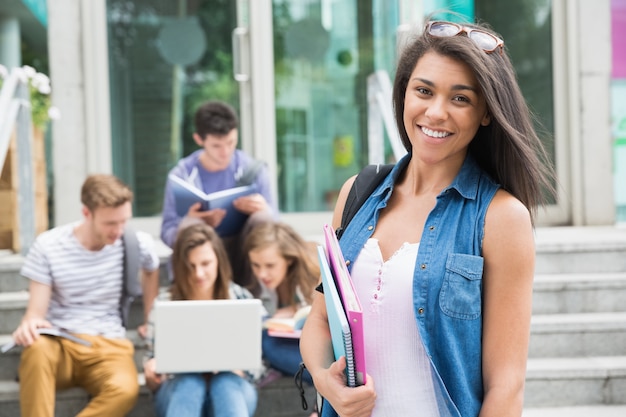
(131, 284)
(364, 185)
(249, 174)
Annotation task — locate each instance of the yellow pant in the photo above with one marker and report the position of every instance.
(106, 370)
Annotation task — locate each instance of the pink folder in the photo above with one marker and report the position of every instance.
(337, 321)
(350, 300)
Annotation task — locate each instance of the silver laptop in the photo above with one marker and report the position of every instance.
(206, 336)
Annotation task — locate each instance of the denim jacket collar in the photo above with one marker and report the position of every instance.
(465, 183)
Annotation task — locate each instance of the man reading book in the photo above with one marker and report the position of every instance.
(76, 274)
(218, 165)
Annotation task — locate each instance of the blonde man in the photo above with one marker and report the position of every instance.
(76, 282)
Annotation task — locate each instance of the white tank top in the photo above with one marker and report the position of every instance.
(394, 354)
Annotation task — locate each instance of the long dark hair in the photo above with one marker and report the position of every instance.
(188, 239)
(508, 149)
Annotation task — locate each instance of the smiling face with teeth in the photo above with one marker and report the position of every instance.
(443, 109)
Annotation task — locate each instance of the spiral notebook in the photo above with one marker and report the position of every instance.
(337, 321)
(349, 299)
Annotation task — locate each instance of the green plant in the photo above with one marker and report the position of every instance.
(39, 87)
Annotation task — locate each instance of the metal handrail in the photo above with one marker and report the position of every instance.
(15, 114)
(380, 119)
(8, 112)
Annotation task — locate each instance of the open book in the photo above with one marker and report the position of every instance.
(288, 323)
(187, 194)
(51, 332)
(349, 299)
(287, 326)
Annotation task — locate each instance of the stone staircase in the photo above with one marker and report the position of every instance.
(577, 358)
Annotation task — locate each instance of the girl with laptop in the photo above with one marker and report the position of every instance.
(201, 272)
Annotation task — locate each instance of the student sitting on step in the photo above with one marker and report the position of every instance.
(287, 269)
(201, 272)
(220, 166)
(76, 283)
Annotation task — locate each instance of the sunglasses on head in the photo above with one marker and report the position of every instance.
(485, 40)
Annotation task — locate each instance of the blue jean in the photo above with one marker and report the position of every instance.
(190, 395)
(283, 354)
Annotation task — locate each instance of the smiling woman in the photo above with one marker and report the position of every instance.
(438, 300)
(443, 109)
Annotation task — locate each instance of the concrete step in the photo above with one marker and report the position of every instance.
(592, 249)
(281, 398)
(278, 399)
(71, 401)
(559, 250)
(552, 335)
(550, 382)
(68, 402)
(580, 411)
(575, 335)
(579, 292)
(10, 360)
(11, 280)
(13, 305)
(567, 382)
(554, 294)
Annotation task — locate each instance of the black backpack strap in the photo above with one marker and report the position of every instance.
(364, 185)
(131, 285)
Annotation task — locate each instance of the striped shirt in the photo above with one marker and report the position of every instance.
(86, 285)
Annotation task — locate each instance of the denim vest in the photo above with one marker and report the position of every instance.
(447, 283)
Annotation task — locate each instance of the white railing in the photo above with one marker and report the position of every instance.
(380, 119)
(15, 115)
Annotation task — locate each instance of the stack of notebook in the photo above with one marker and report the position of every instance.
(345, 316)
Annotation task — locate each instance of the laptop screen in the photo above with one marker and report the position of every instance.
(207, 335)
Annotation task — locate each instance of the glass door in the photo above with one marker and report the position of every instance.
(307, 100)
(297, 71)
(165, 59)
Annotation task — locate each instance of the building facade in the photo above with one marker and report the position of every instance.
(127, 76)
